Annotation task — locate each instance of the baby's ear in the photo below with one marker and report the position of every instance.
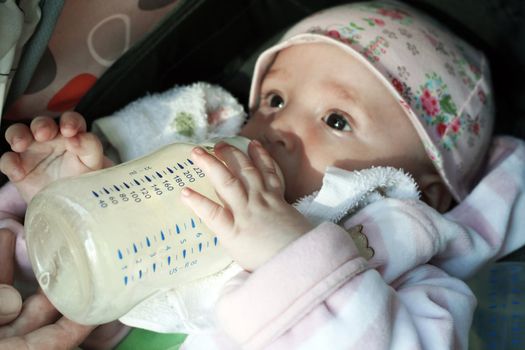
(434, 192)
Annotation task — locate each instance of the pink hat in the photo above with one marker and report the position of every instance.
(442, 83)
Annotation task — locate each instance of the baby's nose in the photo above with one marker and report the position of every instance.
(283, 133)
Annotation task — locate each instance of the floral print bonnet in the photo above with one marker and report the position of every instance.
(441, 82)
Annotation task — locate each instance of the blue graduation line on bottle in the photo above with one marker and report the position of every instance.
(120, 256)
(125, 184)
(125, 280)
(169, 260)
(200, 247)
(215, 240)
(154, 267)
(184, 253)
(147, 178)
(177, 229)
(138, 183)
(158, 174)
(192, 223)
(95, 193)
(118, 189)
(135, 247)
(180, 166)
(105, 190)
(169, 169)
(140, 274)
(189, 161)
(162, 235)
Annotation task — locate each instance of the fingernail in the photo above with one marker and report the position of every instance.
(10, 301)
(16, 140)
(221, 145)
(198, 150)
(185, 192)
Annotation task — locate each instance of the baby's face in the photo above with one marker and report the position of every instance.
(318, 107)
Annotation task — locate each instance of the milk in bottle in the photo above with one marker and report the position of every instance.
(101, 242)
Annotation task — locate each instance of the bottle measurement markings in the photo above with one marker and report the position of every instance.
(135, 265)
(153, 177)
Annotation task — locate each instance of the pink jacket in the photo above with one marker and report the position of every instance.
(320, 293)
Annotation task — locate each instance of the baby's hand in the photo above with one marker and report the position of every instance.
(45, 152)
(255, 222)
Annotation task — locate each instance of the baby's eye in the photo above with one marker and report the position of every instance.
(276, 101)
(337, 121)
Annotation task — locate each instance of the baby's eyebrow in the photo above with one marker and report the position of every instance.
(341, 91)
(275, 72)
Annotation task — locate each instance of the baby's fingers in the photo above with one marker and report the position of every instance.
(241, 167)
(10, 165)
(266, 165)
(19, 137)
(216, 217)
(72, 123)
(88, 148)
(10, 300)
(44, 128)
(229, 187)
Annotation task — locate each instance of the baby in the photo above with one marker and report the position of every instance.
(353, 87)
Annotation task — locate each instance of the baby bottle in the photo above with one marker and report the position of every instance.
(102, 242)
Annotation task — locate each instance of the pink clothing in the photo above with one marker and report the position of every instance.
(302, 299)
(483, 227)
(308, 296)
(317, 308)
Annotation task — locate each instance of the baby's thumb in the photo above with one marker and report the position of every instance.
(88, 149)
(10, 304)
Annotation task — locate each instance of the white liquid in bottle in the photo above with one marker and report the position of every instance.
(101, 242)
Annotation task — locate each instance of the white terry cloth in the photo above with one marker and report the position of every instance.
(193, 114)
(344, 192)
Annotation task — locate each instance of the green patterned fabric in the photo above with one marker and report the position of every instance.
(139, 339)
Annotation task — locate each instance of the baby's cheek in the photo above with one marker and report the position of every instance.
(303, 182)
